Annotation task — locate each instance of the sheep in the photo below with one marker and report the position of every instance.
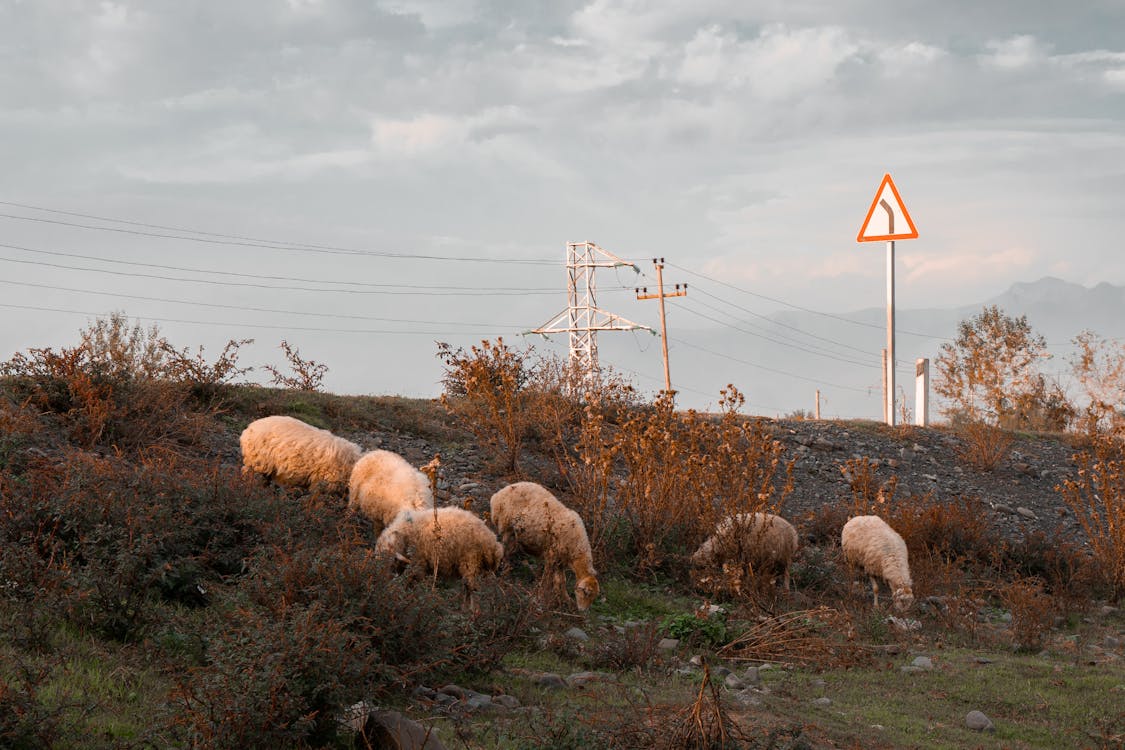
(872, 545)
(296, 454)
(383, 484)
(449, 542)
(529, 517)
(754, 542)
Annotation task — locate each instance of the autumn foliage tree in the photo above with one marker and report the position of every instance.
(1098, 366)
(990, 372)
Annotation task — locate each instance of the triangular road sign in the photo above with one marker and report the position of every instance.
(887, 219)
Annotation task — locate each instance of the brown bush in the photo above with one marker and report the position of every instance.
(1032, 612)
(983, 445)
(1097, 498)
(488, 390)
(679, 474)
(869, 495)
(308, 375)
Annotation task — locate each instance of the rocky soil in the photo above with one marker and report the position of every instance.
(1021, 492)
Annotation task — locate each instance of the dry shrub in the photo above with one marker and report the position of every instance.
(488, 390)
(869, 495)
(278, 680)
(634, 648)
(656, 484)
(983, 445)
(308, 375)
(705, 724)
(560, 392)
(822, 636)
(1032, 611)
(1058, 560)
(822, 526)
(98, 406)
(1097, 498)
(952, 530)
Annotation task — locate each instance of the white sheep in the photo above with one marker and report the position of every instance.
(383, 484)
(296, 454)
(530, 518)
(449, 542)
(870, 544)
(757, 543)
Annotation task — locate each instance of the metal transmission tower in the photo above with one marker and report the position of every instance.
(582, 318)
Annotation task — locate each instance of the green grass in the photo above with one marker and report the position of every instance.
(1034, 702)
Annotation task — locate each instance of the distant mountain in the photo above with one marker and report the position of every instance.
(781, 360)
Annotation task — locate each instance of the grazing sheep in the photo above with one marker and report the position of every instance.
(383, 484)
(528, 516)
(872, 545)
(296, 454)
(448, 542)
(750, 542)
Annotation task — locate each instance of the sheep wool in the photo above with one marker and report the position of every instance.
(870, 544)
(448, 542)
(383, 484)
(759, 542)
(296, 454)
(529, 517)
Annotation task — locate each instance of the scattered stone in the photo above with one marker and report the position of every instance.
(904, 623)
(424, 692)
(982, 660)
(477, 701)
(686, 672)
(1108, 610)
(751, 676)
(668, 644)
(392, 729)
(1027, 513)
(911, 669)
(580, 679)
(577, 634)
(822, 701)
(467, 486)
(818, 683)
(720, 672)
(931, 477)
(747, 697)
(506, 701)
(454, 690)
(696, 661)
(978, 722)
(1112, 642)
(550, 681)
(923, 662)
(890, 649)
(734, 682)
(1003, 508)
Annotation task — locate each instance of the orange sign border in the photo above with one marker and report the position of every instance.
(913, 234)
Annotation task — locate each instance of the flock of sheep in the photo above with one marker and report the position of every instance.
(452, 542)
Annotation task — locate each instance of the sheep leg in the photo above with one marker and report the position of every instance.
(875, 590)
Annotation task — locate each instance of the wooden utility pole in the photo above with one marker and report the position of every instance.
(642, 293)
(817, 404)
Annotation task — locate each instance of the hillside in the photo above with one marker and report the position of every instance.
(149, 591)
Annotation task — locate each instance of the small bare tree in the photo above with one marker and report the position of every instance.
(308, 375)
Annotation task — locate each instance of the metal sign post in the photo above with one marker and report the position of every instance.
(877, 227)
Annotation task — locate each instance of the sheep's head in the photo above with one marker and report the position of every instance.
(585, 592)
(493, 557)
(903, 598)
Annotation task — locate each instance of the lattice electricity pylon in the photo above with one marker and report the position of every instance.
(582, 318)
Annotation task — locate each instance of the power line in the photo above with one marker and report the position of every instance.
(366, 331)
(821, 353)
(769, 369)
(235, 274)
(806, 309)
(240, 241)
(257, 309)
(484, 293)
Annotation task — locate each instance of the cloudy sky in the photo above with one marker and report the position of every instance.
(363, 178)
